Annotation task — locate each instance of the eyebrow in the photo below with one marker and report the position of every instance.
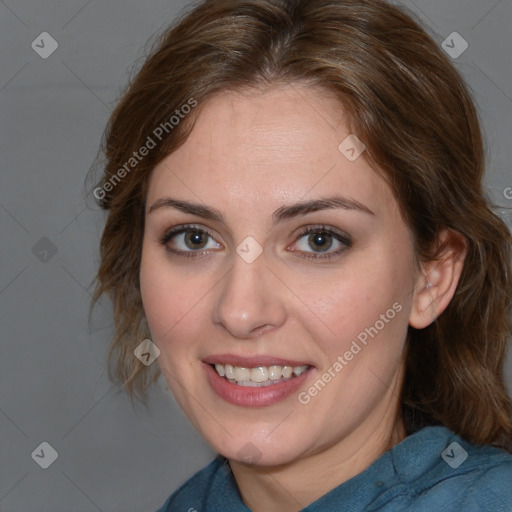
(282, 213)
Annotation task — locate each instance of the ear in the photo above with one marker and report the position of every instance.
(438, 279)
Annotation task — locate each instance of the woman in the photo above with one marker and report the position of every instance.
(297, 222)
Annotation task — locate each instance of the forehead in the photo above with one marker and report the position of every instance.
(267, 148)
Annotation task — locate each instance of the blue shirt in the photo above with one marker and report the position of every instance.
(432, 470)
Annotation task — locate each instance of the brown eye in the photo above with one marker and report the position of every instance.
(196, 239)
(189, 240)
(320, 241)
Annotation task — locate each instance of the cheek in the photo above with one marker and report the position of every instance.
(369, 301)
(176, 304)
(164, 301)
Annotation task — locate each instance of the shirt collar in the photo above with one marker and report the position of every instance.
(407, 461)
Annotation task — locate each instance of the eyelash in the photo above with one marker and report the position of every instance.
(342, 238)
(178, 230)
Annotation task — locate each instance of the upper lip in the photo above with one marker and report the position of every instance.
(252, 361)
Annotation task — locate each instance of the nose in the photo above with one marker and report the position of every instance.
(250, 300)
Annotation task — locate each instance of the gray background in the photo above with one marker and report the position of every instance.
(53, 383)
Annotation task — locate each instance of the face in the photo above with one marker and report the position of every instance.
(277, 278)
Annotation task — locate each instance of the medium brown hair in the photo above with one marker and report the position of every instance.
(407, 103)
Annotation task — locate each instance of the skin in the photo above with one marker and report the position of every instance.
(248, 155)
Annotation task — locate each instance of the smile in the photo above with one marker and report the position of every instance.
(255, 381)
(258, 376)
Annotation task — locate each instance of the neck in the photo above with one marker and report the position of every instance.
(291, 487)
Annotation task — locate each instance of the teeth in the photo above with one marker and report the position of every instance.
(241, 374)
(228, 369)
(287, 372)
(260, 375)
(274, 372)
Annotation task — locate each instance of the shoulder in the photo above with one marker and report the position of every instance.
(490, 479)
(459, 476)
(192, 494)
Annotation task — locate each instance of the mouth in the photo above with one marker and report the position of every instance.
(258, 376)
(257, 381)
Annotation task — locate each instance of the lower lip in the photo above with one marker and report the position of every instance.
(250, 396)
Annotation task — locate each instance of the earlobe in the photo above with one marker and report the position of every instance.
(436, 284)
